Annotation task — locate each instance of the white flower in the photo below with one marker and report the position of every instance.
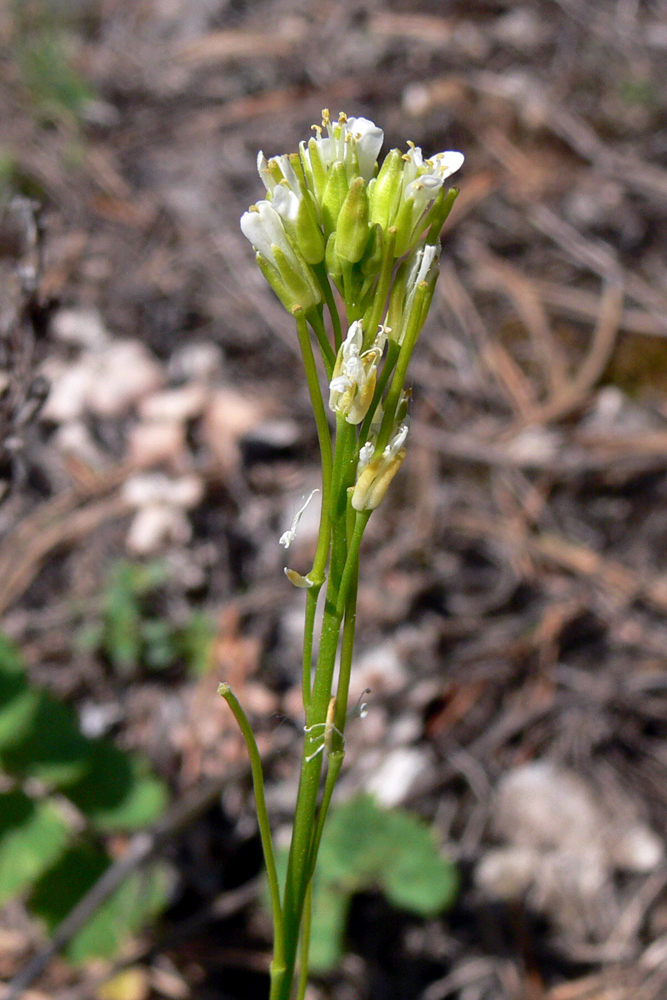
(263, 226)
(423, 179)
(355, 373)
(344, 138)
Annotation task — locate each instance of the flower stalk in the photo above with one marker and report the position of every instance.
(336, 220)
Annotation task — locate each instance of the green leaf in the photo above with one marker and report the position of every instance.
(133, 904)
(53, 749)
(33, 835)
(118, 792)
(330, 910)
(18, 702)
(417, 878)
(367, 847)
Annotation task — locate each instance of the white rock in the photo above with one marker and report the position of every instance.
(83, 327)
(107, 381)
(637, 849)
(381, 669)
(74, 438)
(70, 388)
(196, 361)
(155, 442)
(180, 404)
(229, 416)
(123, 373)
(396, 775)
(154, 526)
(507, 872)
(275, 433)
(534, 444)
(539, 805)
(152, 488)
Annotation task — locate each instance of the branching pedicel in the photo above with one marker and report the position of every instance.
(333, 216)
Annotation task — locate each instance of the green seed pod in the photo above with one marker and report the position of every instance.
(386, 190)
(397, 303)
(352, 224)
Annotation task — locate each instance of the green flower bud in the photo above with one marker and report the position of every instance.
(298, 283)
(404, 227)
(335, 193)
(352, 223)
(309, 236)
(385, 190)
(275, 281)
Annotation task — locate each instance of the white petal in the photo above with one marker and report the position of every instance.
(285, 202)
(448, 163)
(369, 139)
(254, 230)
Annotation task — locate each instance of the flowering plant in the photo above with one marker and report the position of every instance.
(337, 231)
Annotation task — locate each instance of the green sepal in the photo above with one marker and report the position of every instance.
(371, 262)
(304, 292)
(352, 226)
(318, 169)
(275, 281)
(386, 189)
(333, 263)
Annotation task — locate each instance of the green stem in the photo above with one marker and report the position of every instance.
(394, 394)
(393, 351)
(304, 945)
(323, 279)
(382, 290)
(346, 650)
(328, 353)
(278, 963)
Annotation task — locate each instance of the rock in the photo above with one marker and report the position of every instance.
(197, 361)
(154, 526)
(507, 872)
(107, 382)
(83, 327)
(74, 438)
(229, 416)
(397, 774)
(151, 488)
(170, 405)
(381, 669)
(155, 442)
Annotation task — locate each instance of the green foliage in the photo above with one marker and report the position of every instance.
(131, 635)
(55, 89)
(46, 857)
(366, 847)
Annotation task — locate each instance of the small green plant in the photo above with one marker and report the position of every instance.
(131, 633)
(62, 794)
(367, 848)
(351, 248)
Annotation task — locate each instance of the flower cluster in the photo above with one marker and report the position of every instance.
(333, 215)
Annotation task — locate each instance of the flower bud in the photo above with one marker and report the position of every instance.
(334, 195)
(352, 223)
(385, 190)
(309, 235)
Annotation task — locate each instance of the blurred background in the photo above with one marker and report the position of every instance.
(157, 439)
